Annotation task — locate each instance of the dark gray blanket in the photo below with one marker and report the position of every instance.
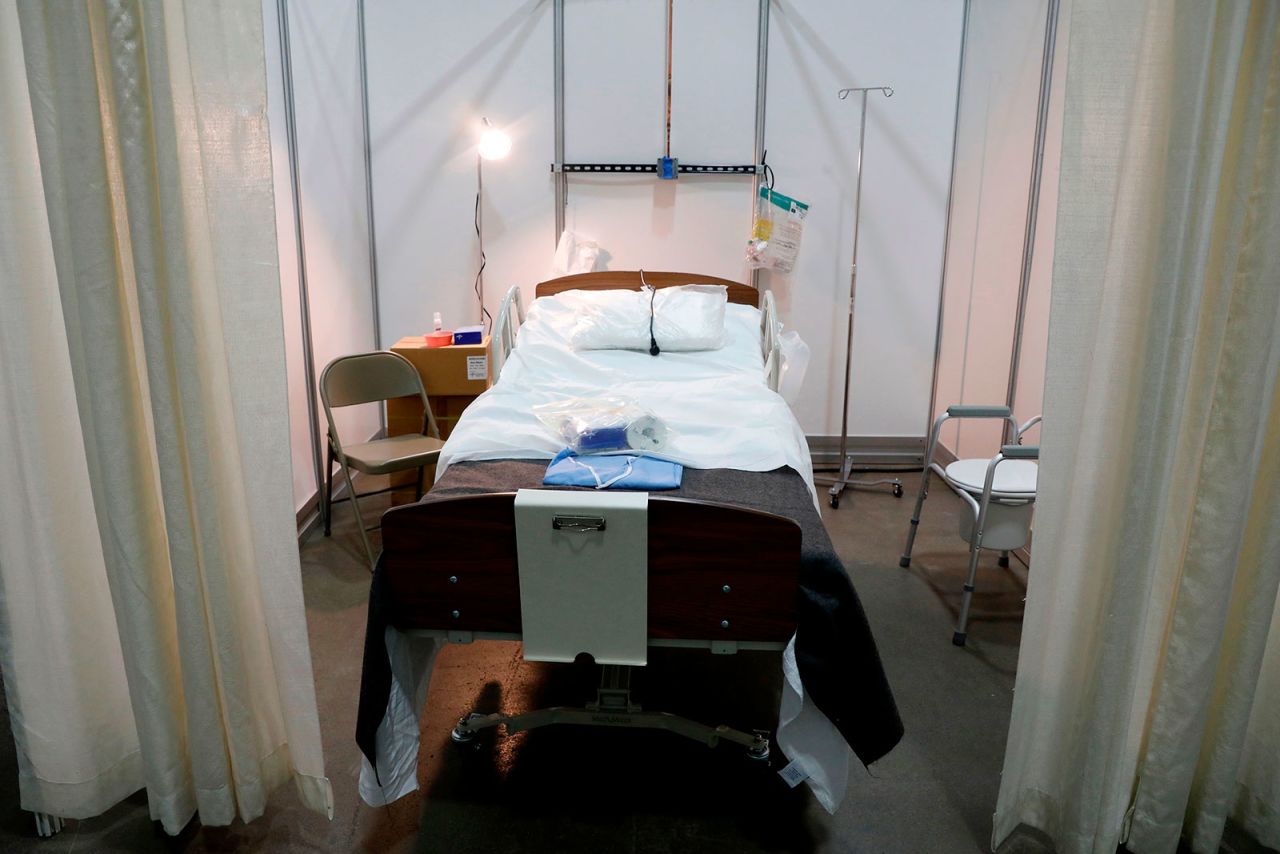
(836, 654)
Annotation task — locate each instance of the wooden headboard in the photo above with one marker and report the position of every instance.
(612, 280)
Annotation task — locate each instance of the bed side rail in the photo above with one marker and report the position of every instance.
(771, 340)
(716, 571)
(504, 330)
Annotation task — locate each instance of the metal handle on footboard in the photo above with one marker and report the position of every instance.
(577, 524)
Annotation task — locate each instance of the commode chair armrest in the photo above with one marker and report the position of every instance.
(974, 411)
(1020, 452)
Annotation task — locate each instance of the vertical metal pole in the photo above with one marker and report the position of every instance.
(561, 179)
(762, 86)
(853, 290)
(841, 482)
(670, 28)
(304, 297)
(1033, 196)
(946, 231)
(368, 184)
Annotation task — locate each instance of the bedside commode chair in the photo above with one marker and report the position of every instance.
(1000, 491)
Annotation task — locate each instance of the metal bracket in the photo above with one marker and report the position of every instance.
(614, 693)
(560, 169)
(654, 169)
(47, 825)
(613, 708)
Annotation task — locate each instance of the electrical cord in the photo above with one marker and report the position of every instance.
(653, 293)
(484, 312)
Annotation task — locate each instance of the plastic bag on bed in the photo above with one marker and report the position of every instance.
(795, 364)
(599, 425)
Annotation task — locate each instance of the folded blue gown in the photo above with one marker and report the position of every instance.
(612, 471)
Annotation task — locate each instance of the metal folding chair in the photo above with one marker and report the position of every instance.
(1000, 491)
(374, 378)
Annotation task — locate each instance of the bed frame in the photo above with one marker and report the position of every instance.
(721, 577)
(629, 280)
(717, 573)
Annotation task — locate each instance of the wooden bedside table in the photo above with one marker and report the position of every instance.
(453, 376)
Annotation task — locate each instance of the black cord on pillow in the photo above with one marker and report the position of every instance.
(653, 293)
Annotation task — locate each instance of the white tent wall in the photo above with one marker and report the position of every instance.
(994, 154)
(432, 76)
(326, 85)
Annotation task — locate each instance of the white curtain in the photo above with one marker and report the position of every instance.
(1147, 703)
(152, 631)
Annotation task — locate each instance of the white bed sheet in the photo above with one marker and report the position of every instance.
(716, 403)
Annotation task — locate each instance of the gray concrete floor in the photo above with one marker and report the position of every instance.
(621, 791)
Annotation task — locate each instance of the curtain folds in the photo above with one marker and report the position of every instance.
(152, 234)
(1149, 674)
(59, 646)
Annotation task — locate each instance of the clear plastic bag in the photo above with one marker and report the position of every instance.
(603, 425)
(795, 363)
(574, 254)
(776, 232)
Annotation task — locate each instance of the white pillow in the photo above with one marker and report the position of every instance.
(685, 318)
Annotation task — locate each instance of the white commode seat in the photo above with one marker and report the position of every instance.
(1014, 479)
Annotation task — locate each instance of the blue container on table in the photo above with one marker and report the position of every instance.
(468, 335)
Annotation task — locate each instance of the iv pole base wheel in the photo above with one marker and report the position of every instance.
(834, 500)
(897, 489)
(904, 562)
(957, 638)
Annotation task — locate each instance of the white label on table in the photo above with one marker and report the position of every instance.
(477, 367)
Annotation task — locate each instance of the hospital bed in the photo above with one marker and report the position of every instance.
(737, 560)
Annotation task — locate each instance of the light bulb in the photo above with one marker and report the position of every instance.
(494, 144)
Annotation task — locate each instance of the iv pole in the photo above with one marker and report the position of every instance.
(839, 484)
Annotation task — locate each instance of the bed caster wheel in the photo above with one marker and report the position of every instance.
(463, 733)
(897, 490)
(759, 752)
(957, 638)
(834, 501)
